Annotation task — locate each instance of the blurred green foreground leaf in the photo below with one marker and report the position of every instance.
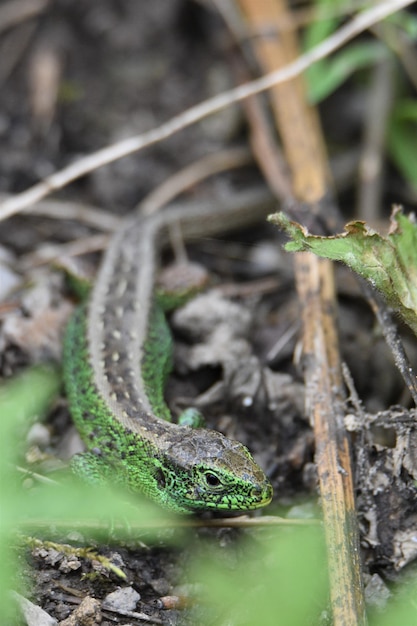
(54, 508)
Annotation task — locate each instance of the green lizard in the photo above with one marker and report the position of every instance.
(116, 358)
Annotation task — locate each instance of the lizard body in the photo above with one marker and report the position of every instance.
(116, 359)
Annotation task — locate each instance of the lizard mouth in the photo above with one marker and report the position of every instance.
(262, 495)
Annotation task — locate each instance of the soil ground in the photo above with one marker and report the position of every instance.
(79, 76)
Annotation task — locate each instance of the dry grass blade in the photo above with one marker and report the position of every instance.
(16, 11)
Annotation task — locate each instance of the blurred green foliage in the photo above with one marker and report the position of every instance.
(402, 139)
(326, 76)
(43, 507)
(280, 581)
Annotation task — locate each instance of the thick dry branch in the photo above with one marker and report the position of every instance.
(304, 149)
(324, 394)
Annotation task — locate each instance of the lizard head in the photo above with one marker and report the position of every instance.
(204, 470)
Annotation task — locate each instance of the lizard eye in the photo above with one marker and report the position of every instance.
(212, 479)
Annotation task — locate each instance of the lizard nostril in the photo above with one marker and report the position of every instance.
(160, 478)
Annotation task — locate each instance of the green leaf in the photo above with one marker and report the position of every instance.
(327, 16)
(407, 21)
(315, 33)
(48, 508)
(331, 73)
(29, 394)
(388, 262)
(402, 140)
(325, 76)
(282, 582)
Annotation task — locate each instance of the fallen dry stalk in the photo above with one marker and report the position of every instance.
(304, 149)
(324, 395)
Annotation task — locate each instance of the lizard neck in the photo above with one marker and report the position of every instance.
(122, 301)
(118, 320)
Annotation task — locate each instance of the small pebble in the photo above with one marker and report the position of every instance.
(38, 435)
(124, 599)
(33, 614)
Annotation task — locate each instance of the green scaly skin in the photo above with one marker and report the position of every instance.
(117, 354)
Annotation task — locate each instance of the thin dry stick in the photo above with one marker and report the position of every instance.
(243, 521)
(371, 166)
(17, 11)
(91, 162)
(77, 211)
(402, 45)
(193, 174)
(262, 136)
(13, 49)
(52, 253)
(392, 337)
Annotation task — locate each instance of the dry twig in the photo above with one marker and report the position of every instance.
(133, 144)
(16, 11)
